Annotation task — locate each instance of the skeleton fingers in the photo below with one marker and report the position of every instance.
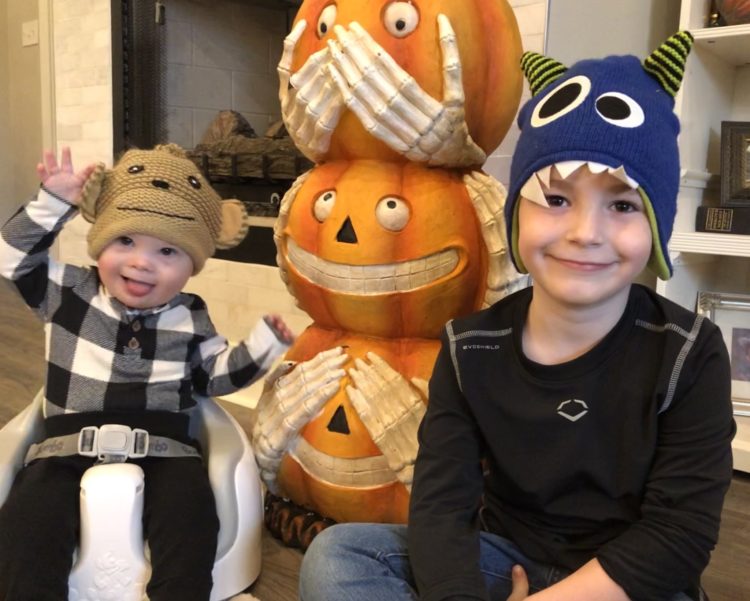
(311, 104)
(355, 72)
(391, 410)
(392, 106)
(488, 197)
(288, 403)
(389, 407)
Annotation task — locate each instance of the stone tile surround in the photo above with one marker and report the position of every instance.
(237, 294)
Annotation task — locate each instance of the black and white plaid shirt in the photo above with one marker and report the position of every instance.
(102, 356)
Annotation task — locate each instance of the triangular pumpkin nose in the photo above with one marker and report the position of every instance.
(346, 233)
(338, 422)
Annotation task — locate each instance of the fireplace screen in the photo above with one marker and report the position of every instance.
(139, 71)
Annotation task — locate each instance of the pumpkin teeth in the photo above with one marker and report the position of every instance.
(359, 472)
(372, 279)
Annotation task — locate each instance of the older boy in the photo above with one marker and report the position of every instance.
(124, 346)
(580, 428)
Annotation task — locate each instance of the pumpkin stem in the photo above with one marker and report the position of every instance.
(666, 64)
(540, 70)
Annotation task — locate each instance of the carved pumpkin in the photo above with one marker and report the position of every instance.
(337, 436)
(383, 249)
(489, 47)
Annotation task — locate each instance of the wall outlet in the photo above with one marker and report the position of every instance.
(30, 33)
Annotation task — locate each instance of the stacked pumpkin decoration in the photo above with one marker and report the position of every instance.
(394, 232)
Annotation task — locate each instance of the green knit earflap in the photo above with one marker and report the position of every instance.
(667, 63)
(540, 70)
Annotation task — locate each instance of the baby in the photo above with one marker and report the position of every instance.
(124, 345)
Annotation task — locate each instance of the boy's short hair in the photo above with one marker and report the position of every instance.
(615, 111)
(161, 193)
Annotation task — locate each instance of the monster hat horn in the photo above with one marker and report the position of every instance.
(667, 62)
(540, 70)
(609, 114)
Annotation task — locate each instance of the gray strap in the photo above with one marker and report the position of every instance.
(60, 446)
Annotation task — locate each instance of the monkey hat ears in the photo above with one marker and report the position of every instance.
(614, 114)
(161, 193)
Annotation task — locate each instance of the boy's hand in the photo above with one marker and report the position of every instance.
(279, 327)
(520, 584)
(60, 179)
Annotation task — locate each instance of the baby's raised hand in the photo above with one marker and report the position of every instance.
(61, 180)
(279, 327)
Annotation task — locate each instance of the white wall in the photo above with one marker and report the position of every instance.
(581, 29)
(83, 78)
(532, 22)
(20, 106)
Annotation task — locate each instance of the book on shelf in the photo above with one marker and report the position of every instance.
(723, 220)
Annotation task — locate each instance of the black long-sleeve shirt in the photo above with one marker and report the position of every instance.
(623, 454)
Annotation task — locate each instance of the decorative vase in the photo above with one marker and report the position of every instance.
(734, 12)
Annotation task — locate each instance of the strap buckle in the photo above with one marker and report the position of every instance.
(113, 443)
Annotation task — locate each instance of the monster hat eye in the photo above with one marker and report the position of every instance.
(392, 213)
(136, 168)
(326, 20)
(619, 109)
(400, 18)
(323, 205)
(561, 100)
(194, 181)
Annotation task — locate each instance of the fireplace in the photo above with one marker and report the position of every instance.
(182, 71)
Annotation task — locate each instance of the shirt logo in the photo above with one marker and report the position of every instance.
(573, 409)
(481, 347)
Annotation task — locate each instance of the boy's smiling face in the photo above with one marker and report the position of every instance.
(589, 242)
(143, 272)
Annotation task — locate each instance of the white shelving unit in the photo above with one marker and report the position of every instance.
(716, 88)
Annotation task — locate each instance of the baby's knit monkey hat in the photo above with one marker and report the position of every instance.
(160, 193)
(614, 114)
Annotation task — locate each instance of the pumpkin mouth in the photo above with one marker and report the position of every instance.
(362, 472)
(372, 279)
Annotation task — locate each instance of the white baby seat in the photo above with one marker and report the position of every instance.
(110, 562)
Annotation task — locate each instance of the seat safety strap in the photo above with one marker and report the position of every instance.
(110, 443)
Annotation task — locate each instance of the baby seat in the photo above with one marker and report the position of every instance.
(110, 562)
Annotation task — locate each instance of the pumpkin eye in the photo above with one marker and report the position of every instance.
(620, 110)
(400, 18)
(323, 205)
(561, 100)
(392, 213)
(136, 168)
(327, 19)
(194, 181)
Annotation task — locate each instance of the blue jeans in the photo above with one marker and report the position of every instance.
(352, 562)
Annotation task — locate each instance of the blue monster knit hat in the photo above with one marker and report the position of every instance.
(614, 111)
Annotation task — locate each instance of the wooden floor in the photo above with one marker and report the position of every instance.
(21, 376)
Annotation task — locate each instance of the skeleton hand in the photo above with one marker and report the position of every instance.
(288, 402)
(391, 410)
(488, 197)
(312, 105)
(280, 224)
(395, 109)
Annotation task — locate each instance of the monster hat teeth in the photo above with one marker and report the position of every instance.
(534, 188)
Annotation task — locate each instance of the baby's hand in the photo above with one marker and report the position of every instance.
(279, 327)
(60, 179)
